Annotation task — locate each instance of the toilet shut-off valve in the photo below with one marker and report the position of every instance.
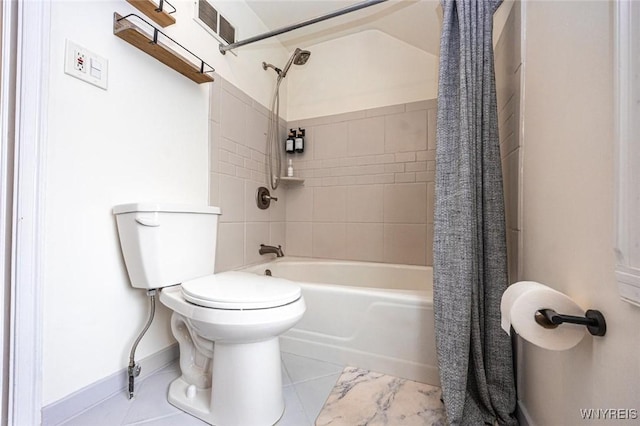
(133, 370)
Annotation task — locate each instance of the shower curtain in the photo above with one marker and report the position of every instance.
(470, 264)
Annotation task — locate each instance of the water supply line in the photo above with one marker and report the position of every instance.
(134, 369)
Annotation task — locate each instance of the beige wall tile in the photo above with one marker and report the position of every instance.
(365, 241)
(278, 209)
(215, 88)
(405, 203)
(330, 141)
(510, 171)
(432, 118)
(330, 240)
(405, 156)
(330, 204)
(230, 249)
(419, 166)
(366, 137)
(233, 121)
(394, 168)
(364, 203)
(214, 189)
(227, 169)
(214, 145)
(384, 178)
(405, 177)
(406, 132)
(405, 244)
(512, 255)
(299, 204)
(257, 130)
(231, 199)
(299, 239)
(431, 201)
(429, 247)
(277, 234)
(256, 233)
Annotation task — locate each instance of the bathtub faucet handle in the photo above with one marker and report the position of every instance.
(264, 249)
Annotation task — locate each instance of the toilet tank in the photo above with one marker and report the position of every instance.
(166, 244)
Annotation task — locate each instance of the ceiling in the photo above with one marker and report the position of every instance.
(416, 22)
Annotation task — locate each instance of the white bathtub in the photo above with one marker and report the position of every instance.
(369, 315)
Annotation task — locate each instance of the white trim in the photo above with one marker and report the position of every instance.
(25, 393)
(8, 13)
(89, 396)
(627, 156)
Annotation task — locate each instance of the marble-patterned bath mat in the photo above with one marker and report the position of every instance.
(362, 397)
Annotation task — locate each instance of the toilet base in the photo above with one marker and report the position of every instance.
(246, 386)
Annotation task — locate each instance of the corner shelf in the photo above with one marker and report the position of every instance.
(290, 181)
(155, 11)
(124, 28)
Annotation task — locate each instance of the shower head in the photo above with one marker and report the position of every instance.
(299, 57)
(276, 69)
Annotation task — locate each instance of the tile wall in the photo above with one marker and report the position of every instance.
(237, 145)
(508, 65)
(368, 190)
(369, 186)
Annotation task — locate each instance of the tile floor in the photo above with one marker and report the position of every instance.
(307, 384)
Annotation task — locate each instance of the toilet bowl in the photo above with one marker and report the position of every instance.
(227, 324)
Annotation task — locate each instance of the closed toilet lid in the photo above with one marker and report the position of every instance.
(240, 290)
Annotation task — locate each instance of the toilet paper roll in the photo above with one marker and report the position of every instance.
(523, 299)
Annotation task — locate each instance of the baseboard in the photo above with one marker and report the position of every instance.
(79, 401)
(523, 415)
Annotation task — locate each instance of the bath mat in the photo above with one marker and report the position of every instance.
(362, 397)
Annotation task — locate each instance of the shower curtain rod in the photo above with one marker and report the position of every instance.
(223, 48)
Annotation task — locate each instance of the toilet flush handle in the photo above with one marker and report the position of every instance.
(148, 220)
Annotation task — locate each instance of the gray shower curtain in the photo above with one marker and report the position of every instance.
(470, 263)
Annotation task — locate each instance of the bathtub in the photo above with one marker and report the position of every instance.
(370, 315)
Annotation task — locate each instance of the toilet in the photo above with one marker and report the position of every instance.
(227, 324)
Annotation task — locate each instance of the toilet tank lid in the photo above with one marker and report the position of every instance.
(164, 207)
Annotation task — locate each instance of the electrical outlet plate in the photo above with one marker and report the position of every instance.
(85, 65)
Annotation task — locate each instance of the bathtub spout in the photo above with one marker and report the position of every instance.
(264, 249)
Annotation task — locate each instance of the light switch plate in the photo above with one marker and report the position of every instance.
(85, 65)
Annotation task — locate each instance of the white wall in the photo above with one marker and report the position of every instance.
(146, 138)
(568, 210)
(365, 70)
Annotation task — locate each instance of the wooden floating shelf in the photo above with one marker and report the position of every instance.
(150, 9)
(286, 180)
(134, 35)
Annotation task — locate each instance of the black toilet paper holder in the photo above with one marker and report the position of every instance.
(593, 320)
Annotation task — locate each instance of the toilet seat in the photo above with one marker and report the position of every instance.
(239, 291)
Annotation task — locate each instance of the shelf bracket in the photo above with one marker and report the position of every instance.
(157, 12)
(125, 29)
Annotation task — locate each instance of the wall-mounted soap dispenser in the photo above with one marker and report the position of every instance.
(299, 140)
(290, 143)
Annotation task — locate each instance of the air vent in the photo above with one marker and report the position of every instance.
(216, 24)
(208, 15)
(227, 32)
